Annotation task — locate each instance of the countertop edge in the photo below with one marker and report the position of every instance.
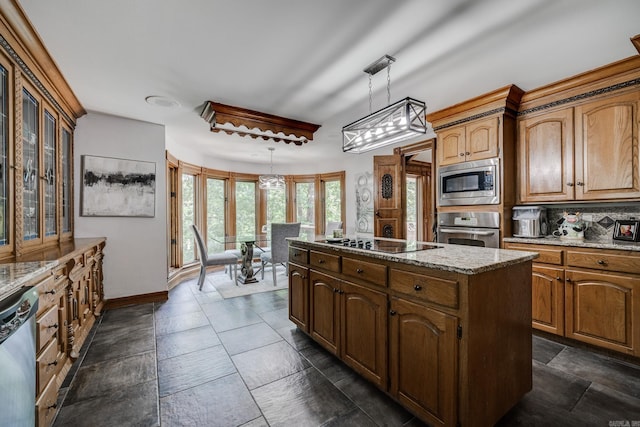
(554, 241)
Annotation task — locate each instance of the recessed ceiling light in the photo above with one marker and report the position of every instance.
(162, 101)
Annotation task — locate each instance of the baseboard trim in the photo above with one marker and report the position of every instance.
(137, 299)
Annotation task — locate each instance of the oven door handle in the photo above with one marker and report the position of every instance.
(477, 233)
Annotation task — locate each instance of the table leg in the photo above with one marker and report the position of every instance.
(247, 277)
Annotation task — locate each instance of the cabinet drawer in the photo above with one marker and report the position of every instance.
(604, 261)
(547, 256)
(325, 261)
(60, 274)
(46, 365)
(300, 256)
(46, 405)
(47, 293)
(369, 271)
(46, 326)
(432, 289)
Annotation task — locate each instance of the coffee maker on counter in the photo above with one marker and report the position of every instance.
(530, 221)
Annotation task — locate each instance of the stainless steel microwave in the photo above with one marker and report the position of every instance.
(469, 183)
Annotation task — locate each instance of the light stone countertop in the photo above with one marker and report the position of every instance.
(551, 240)
(457, 258)
(16, 274)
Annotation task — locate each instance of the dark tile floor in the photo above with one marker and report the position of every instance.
(201, 360)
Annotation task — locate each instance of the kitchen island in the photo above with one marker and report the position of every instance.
(443, 329)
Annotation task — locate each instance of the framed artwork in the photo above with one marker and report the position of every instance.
(626, 230)
(117, 187)
(364, 202)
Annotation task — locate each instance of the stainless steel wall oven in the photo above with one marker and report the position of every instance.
(469, 228)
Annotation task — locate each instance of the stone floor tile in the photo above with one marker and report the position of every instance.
(223, 402)
(126, 314)
(544, 350)
(557, 387)
(177, 343)
(269, 363)
(330, 366)
(116, 343)
(193, 369)
(600, 405)
(258, 422)
(305, 398)
(248, 337)
(278, 318)
(223, 316)
(295, 337)
(101, 379)
(354, 418)
(181, 323)
(168, 309)
(129, 405)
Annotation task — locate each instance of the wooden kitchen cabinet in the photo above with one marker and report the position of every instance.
(423, 377)
(424, 336)
(547, 299)
(587, 294)
(476, 140)
(603, 309)
(578, 138)
(299, 296)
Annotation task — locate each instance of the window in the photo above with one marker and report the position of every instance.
(188, 217)
(245, 208)
(305, 209)
(332, 202)
(412, 207)
(216, 218)
(276, 207)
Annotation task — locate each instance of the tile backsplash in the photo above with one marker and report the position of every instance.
(600, 232)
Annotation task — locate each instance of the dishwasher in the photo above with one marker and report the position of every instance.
(18, 358)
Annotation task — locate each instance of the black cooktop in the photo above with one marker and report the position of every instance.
(379, 245)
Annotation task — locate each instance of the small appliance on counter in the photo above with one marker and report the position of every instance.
(529, 221)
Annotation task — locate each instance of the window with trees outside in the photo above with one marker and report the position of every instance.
(216, 213)
(188, 217)
(305, 209)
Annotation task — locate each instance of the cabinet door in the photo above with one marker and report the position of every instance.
(482, 139)
(363, 332)
(49, 175)
(6, 192)
(603, 309)
(545, 157)
(451, 145)
(299, 296)
(423, 377)
(30, 182)
(324, 310)
(547, 292)
(607, 149)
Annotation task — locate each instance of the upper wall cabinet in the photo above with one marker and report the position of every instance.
(476, 140)
(38, 112)
(578, 139)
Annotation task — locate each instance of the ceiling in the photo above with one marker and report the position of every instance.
(304, 59)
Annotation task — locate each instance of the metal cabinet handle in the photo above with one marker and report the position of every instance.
(54, 363)
(569, 184)
(335, 290)
(477, 233)
(52, 292)
(558, 278)
(417, 287)
(320, 261)
(461, 154)
(359, 270)
(467, 153)
(392, 312)
(602, 262)
(340, 291)
(55, 326)
(581, 184)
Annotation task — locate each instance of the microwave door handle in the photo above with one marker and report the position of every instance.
(477, 233)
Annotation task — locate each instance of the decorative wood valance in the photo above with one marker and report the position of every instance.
(243, 122)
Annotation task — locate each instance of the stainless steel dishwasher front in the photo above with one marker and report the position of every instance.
(18, 358)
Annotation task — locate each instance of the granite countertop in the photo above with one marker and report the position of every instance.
(551, 240)
(16, 274)
(455, 258)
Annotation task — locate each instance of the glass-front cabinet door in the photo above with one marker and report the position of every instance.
(49, 176)
(4, 159)
(66, 166)
(30, 167)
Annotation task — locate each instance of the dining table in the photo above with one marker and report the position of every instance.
(247, 245)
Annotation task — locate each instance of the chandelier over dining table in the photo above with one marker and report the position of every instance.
(397, 122)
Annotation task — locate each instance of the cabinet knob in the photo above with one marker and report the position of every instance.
(558, 278)
(52, 292)
(335, 290)
(320, 261)
(303, 276)
(569, 184)
(54, 363)
(581, 184)
(55, 326)
(461, 154)
(602, 262)
(467, 153)
(359, 270)
(340, 291)
(417, 287)
(52, 406)
(392, 312)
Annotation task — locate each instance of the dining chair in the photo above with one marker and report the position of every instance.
(279, 253)
(212, 259)
(237, 253)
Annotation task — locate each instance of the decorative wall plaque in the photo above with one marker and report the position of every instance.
(387, 186)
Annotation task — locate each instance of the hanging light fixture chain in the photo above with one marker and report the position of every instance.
(370, 94)
(389, 84)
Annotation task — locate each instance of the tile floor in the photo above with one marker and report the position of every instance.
(200, 360)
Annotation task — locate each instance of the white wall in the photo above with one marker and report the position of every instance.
(135, 257)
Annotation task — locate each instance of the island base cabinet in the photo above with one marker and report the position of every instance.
(423, 353)
(299, 296)
(603, 309)
(351, 322)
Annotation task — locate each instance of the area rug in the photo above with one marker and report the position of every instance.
(228, 289)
